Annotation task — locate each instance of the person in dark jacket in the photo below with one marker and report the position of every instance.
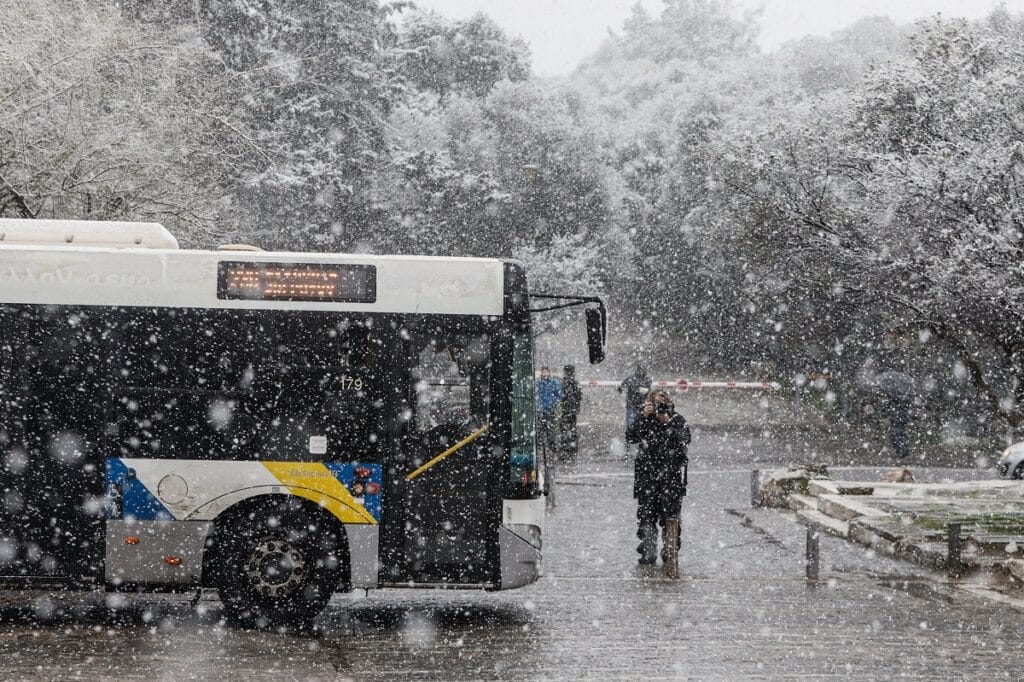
(898, 389)
(572, 398)
(898, 410)
(636, 387)
(658, 481)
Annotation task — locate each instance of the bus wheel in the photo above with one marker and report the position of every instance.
(279, 564)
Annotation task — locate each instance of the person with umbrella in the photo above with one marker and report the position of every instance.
(898, 389)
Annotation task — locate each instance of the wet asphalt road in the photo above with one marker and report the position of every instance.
(741, 610)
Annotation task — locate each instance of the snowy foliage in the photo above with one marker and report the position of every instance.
(319, 79)
(466, 57)
(517, 173)
(899, 201)
(789, 211)
(102, 119)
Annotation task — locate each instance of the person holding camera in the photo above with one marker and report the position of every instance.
(659, 480)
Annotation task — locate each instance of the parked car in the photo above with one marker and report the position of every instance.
(1011, 462)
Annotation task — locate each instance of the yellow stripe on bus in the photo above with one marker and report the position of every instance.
(316, 483)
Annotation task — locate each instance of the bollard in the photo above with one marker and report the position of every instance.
(813, 551)
(549, 490)
(954, 564)
(755, 488)
(671, 566)
(549, 480)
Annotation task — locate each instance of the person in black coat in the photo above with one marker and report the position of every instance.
(571, 401)
(636, 386)
(658, 481)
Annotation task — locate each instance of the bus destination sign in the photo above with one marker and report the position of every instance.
(326, 282)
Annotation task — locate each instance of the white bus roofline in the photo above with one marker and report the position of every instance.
(85, 233)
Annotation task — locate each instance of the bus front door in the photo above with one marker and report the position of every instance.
(451, 514)
(442, 519)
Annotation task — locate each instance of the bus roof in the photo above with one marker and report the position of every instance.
(88, 233)
(81, 273)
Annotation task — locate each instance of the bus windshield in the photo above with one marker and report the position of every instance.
(522, 461)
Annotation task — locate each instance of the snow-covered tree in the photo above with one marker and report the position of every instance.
(465, 57)
(901, 202)
(319, 81)
(101, 118)
(661, 89)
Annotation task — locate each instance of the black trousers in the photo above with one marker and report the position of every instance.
(898, 438)
(653, 511)
(547, 432)
(569, 434)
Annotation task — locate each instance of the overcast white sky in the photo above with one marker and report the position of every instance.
(563, 32)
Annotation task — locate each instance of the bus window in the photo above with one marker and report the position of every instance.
(448, 498)
(451, 380)
(49, 426)
(180, 381)
(317, 402)
(442, 394)
(222, 384)
(523, 463)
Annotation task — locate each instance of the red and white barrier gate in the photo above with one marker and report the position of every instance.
(684, 385)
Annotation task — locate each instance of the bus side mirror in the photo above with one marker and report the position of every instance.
(596, 333)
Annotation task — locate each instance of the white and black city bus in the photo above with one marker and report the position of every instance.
(278, 426)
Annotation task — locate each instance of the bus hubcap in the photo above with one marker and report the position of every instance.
(275, 567)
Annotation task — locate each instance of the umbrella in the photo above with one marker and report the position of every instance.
(895, 385)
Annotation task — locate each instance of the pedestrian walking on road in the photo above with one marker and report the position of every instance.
(636, 387)
(899, 419)
(659, 478)
(571, 401)
(549, 396)
(898, 389)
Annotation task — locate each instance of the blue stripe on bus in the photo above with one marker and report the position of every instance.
(136, 500)
(346, 473)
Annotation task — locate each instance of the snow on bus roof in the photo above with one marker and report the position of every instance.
(74, 274)
(85, 233)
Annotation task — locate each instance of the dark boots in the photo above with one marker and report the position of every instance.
(648, 547)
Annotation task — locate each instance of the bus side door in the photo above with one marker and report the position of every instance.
(444, 508)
